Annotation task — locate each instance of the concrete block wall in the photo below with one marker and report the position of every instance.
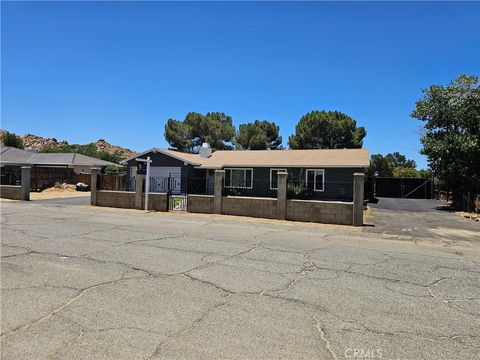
(156, 201)
(126, 200)
(12, 192)
(249, 206)
(329, 212)
(116, 199)
(200, 204)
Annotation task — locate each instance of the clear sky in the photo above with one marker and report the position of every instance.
(81, 71)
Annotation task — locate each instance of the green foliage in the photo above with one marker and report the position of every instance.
(405, 172)
(114, 169)
(11, 139)
(188, 135)
(298, 191)
(327, 130)
(394, 164)
(451, 121)
(380, 164)
(399, 160)
(259, 135)
(424, 173)
(88, 150)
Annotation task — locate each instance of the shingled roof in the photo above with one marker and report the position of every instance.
(346, 158)
(13, 156)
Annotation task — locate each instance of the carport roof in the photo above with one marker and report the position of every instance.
(13, 156)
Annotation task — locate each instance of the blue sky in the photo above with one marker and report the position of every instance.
(81, 71)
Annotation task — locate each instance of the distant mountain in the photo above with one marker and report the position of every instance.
(37, 143)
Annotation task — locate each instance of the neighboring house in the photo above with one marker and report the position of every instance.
(327, 174)
(47, 168)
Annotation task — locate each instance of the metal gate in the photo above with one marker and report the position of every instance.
(177, 202)
(410, 188)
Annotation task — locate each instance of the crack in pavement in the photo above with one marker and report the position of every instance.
(80, 293)
(325, 339)
(191, 326)
(448, 302)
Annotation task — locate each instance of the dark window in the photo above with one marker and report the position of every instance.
(238, 178)
(274, 178)
(315, 179)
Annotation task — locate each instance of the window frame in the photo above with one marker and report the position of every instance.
(278, 169)
(245, 178)
(315, 179)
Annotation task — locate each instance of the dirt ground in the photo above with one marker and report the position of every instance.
(67, 191)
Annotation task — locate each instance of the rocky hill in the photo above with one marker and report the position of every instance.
(37, 143)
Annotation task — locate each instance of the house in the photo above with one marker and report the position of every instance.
(323, 174)
(47, 168)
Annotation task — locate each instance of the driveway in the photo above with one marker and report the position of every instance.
(99, 283)
(421, 220)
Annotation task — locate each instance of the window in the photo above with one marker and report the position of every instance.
(238, 178)
(274, 178)
(315, 179)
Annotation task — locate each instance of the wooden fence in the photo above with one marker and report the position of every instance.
(83, 178)
(113, 182)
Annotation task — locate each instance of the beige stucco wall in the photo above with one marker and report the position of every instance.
(13, 192)
(78, 169)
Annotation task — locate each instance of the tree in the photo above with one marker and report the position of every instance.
(11, 139)
(399, 160)
(327, 130)
(392, 164)
(259, 135)
(405, 172)
(424, 173)
(381, 165)
(114, 169)
(188, 135)
(451, 140)
(88, 150)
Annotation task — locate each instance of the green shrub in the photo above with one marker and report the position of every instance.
(114, 169)
(298, 191)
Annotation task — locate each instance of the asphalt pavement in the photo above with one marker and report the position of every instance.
(97, 283)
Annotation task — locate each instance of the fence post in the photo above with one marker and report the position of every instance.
(25, 191)
(93, 186)
(217, 202)
(358, 189)
(138, 191)
(282, 195)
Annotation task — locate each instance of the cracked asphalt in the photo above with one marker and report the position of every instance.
(97, 283)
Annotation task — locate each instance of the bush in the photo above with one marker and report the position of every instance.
(11, 139)
(298, 191)
(114, 169)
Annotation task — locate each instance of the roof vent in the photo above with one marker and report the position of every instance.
(205, 151)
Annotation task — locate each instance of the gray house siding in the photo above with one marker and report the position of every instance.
(159, 159)
(338, 183)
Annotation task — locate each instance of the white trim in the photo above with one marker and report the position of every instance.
(162, 151)
(315, 179)
(238, 187)
(271, 188)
